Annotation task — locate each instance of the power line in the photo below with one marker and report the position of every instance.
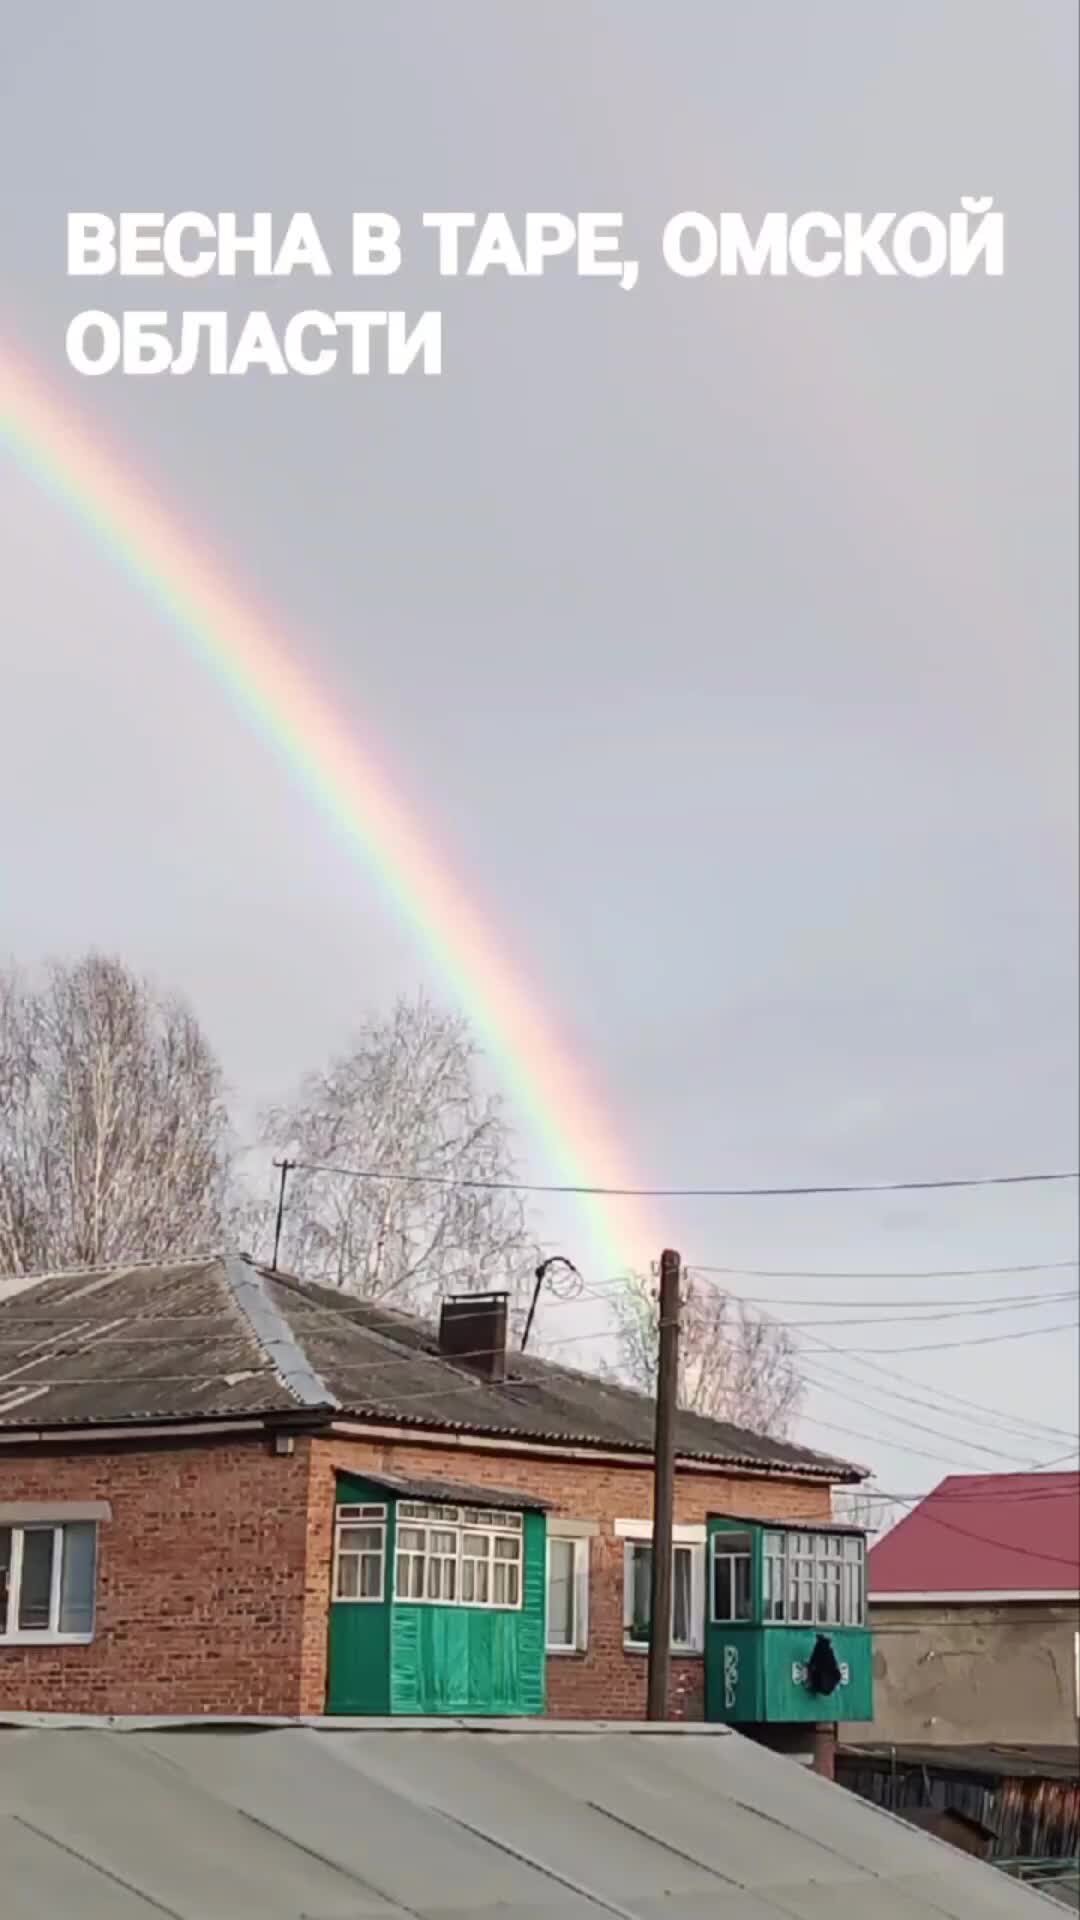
(942, 1393)
(973, 1446)
(393, 1403)
(981, 1303)
(1029, 1433)
(984, 1539)
(935, 1310)
(314, 1314)
(886, 1440)
(977, 1494)
(977, 1340)
(908, 1319)
(900, 1273)
(397, 1178)
(985, 1414)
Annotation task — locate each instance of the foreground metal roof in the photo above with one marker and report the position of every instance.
(454, 1821)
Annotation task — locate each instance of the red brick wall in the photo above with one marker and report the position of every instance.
(200, 1578)
(214, 1572)
(606, 1682)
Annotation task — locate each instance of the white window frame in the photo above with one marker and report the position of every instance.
(11, 1634)
(685, 1539)
(831, 1553)
(741, 1555)
(579, 1588)
(493, 1523)
(353, 1515)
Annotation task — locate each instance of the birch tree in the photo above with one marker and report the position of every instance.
(114, 1136)
(733, 1364)
(404, 1100)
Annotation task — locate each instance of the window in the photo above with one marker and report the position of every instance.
(567, 1595)
(731, 1584)
(359, 1553)
(458, 1556)
(853, 1586)
(47, 1581)
(686, 1597)
(774, 1598)
(801, 1577)
(814, 1579)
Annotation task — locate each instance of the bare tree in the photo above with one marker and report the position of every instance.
(114, 1139)
(405, 1100)
(733, 1364)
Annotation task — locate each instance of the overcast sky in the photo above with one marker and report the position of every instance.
(726, 629)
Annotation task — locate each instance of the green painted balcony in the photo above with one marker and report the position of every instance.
(437, 1601)
(786, 1634)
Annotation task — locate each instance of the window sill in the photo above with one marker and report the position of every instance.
(566, 1653)
(45, 1639)
(802, 1626)
(677, 1653)
(458, 1606)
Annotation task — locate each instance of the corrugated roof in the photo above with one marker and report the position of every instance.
(998, 1762)
(985, 1533)
(190, 1342)
(442, 1491)
(788, 1525)
(445, 1821)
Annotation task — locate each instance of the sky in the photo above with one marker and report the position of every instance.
(723, 633)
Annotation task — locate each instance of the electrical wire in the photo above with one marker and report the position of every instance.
(897, 1273)
(397, 1178)
(942, 1393)
(925, 1506)
(335, 1314)
(977, 1340)
(918, 1426)
(1013, 1430)
(982, 1303)
(602, 1291)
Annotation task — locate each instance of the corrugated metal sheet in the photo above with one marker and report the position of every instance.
(977, 1533)
(455, 1821)
(182, 1342)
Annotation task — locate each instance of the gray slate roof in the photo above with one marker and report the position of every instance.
(218, 1337)
(457, 1821)
(452, 1492)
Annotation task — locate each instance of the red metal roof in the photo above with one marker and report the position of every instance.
(985, 1533)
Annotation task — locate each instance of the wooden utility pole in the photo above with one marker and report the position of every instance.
(667, 1397)
(286, 1169)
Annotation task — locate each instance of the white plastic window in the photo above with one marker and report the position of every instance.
(814, 1579)
(567, 1595)
(687, 1599)
(360, 1553)
(47, 1579)
(731, 1577)
(459, 1556)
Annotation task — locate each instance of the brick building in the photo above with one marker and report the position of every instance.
(224, 1491)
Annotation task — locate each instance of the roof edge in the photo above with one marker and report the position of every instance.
(356, 1423)
(969, 1596)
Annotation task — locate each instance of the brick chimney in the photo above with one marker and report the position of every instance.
(472, 1331)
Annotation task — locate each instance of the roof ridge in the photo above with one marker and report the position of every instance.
(274, 1335)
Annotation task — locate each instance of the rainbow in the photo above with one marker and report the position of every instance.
(249, 656)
